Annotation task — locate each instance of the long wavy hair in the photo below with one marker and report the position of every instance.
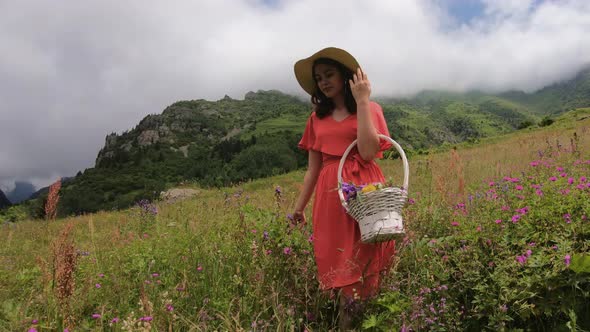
(323, 105)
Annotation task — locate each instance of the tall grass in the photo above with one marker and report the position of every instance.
(231, 259)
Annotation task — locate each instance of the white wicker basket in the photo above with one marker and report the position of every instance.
(379, 212)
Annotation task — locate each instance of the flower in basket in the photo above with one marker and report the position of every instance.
(351, 191)
(370, 187)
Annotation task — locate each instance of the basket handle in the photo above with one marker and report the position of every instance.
(345, 155)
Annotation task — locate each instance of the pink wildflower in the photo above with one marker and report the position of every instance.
(454, 223)
(199, 268)
(518, 187)
(582, 179)
(521, 259)
(563, 175)
(553, 178)
(491, 183)
(287, 250)
(539, 192)
(97, 286)
(115, 320)
(570, 181)
(567, 259)
(498, 221)
(95, 316)
(515, 218)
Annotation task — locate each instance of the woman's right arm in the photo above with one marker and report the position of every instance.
(311, 177)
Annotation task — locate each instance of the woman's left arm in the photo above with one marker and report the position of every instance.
(368, 139)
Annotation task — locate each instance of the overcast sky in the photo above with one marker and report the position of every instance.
(72, 72)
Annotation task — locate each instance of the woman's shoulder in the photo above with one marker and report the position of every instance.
(375, 107)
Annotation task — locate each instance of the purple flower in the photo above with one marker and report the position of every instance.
(115, 320)
(101, 275)
(521, 259)
(567, 218)
(169, 307)
(265, 235)
(278, 190)
(97, 286)
(567, 259)
(518, 187)
(563, 175)
(503, 308)
(287, 250)
(454, 223)
(529, 253)
(553, 178)
(32, 329)
(34, 321)
(95, 316)
(582, 179)
(155, 275)
(515, 218)
(146, 319)
(498, 221)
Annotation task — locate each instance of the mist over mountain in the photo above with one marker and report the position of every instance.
(22, 191)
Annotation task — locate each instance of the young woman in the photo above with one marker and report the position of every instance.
(342, 112)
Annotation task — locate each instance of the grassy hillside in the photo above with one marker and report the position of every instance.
(230, 259)
(211, 143)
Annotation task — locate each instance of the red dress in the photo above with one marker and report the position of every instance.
(343, 261)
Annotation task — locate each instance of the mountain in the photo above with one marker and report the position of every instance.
(22, 191)
(45, 190)
(228, 141)
(4, 202)
(556, 98)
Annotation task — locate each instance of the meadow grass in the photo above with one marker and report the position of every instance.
(230, 259)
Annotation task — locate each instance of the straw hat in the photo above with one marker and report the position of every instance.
(304, 67)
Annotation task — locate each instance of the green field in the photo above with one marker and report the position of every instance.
(498, 235)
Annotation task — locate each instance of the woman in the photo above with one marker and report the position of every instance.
(342, 112)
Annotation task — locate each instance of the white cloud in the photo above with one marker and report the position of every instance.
(71, 72)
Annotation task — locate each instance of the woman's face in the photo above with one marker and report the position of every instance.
(329, 80)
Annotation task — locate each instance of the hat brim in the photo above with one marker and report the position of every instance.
(303, 68)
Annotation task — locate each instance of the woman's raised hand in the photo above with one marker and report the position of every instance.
(360, 86)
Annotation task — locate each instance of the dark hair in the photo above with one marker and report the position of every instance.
(324, 106)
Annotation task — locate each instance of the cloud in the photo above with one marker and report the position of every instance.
(72, 72)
